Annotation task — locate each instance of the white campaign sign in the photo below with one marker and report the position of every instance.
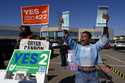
(2, 74)
(26, 44)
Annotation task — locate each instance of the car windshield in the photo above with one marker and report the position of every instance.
(120, 41)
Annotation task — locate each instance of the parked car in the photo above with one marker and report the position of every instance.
(55, 44)
(119, 44)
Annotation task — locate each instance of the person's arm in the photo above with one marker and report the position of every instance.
(71, 43)
(105, 36)
(103, 40)
(104, 68)
(105, 32)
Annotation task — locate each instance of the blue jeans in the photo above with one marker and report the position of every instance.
(82, 77)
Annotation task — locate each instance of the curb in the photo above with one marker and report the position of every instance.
(116, 71)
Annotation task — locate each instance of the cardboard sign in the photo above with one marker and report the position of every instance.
(30, 61)
(9, 81)
(2, 74)
(32, 15)
(65, 17)
(34, 44)
(100, 21)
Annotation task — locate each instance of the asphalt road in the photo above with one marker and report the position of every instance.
(114, 58)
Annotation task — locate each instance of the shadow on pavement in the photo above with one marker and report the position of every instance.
(102, 78)
(121, 51)
(68, 79)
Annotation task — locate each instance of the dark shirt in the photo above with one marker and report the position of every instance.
(25, 34)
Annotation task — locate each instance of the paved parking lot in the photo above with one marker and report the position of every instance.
(115, 59)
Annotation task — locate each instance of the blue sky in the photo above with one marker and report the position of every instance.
(83, 12)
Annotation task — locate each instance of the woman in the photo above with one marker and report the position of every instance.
(25, 33)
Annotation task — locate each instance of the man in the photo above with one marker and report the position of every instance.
(63, 54)
(87, 55)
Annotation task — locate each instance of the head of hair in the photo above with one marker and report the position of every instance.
(88, 33)
(25, 31)
(26, 28)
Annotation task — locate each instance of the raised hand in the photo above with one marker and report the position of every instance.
(106, 17)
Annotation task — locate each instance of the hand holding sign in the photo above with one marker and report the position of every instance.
(106, 17)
